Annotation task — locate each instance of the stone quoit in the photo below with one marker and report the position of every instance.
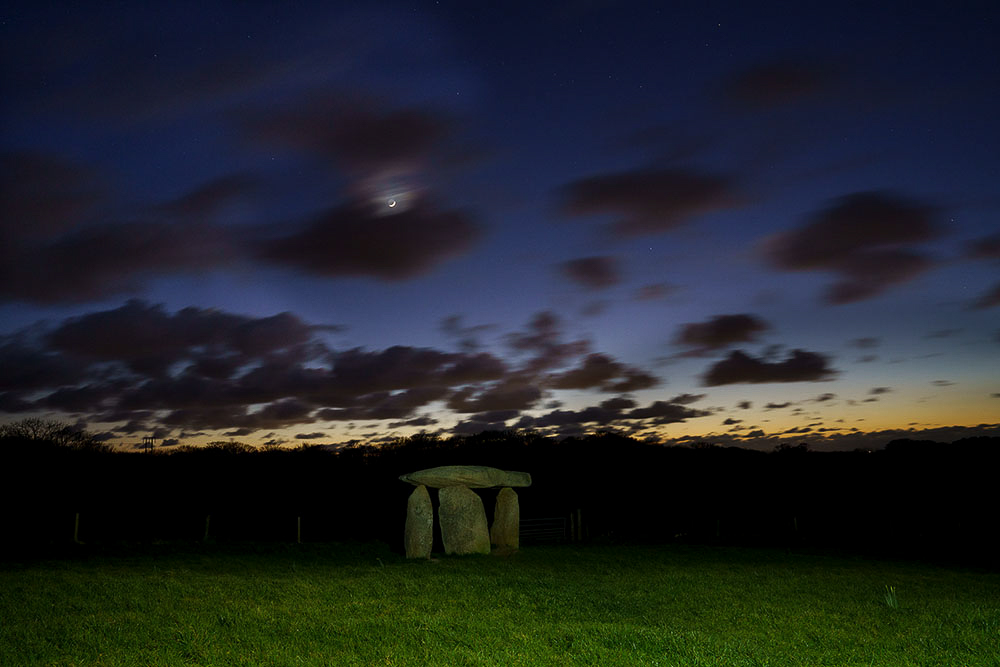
(472, 477)
(461, 513)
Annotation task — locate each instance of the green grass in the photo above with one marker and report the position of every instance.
(598, 605)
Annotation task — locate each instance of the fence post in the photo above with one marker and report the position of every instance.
(76, 529)
(298, 530)
(208, 520)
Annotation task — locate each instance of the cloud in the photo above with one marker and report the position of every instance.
(720, 331)
(592, 272)
(686, 399)
(611, 412)
(987, 247)
(596, 370)
(211, 198)
(744, 405)
(863, 239)
(739, 367)
(423, 420)
(866, 343)
(943, 333)
(603, 372)
(42, 195)
(777, 83)
(60, 242)
(879, 390)
(655, 291)
(148, 340)
(512, 394)
(989, 299)
(468, 336)
(544, 338)
(664, 412)
(207, 369)
(108, 259)
(651, 201)
(351, 240)
(356, 135)
(822, 398)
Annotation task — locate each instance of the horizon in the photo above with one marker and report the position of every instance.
(745, 225)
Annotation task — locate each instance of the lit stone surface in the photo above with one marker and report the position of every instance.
(505, 532)
(463, 521)
(418, 536)
(473, 477)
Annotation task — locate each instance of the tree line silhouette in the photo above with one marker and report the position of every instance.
(912, 498)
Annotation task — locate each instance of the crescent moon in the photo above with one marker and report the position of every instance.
(391, 203)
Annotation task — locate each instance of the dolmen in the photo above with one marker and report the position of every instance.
(460, 512)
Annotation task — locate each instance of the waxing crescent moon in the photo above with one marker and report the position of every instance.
(391, 203)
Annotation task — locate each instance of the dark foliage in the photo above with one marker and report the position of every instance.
(913, 498)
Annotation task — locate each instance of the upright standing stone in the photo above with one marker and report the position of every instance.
(506, 530)
(463, 521)
(418, 535)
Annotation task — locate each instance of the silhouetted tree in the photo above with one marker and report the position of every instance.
(34, 430)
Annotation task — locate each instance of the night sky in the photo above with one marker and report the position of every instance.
(326, 222)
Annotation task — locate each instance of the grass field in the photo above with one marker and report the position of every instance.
(560, 605)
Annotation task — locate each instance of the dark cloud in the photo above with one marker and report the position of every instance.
(777, 83)
(865, 343)
(651, 201)
(879, 390)
(597, 370)
(103, 260)
(942, 383)
(27, 366)
(592, 272)
(777, 406)
(744, 405)
(686, 399)
(601, 371)
(42, 195)
(61, 240)
(276, 415)
(989, 299)
(310, 436)
(209, 199)
(512, 394)
(544, 338)
(739, 367)
(719, 332)
(634, 380)
(655, 291)
(611, 412)
(943, 333)
(618, 403)
(987, 247)
(353, 240)
(206, 369)
(862, 238)
(729, 421)
(423, 420)
(664, 412)
(355, 135)
(822, 398)
(468, 336)
(149, 340)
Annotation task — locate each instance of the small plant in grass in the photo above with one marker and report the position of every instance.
(890, 597)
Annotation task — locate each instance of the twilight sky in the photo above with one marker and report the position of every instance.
(328, 222)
